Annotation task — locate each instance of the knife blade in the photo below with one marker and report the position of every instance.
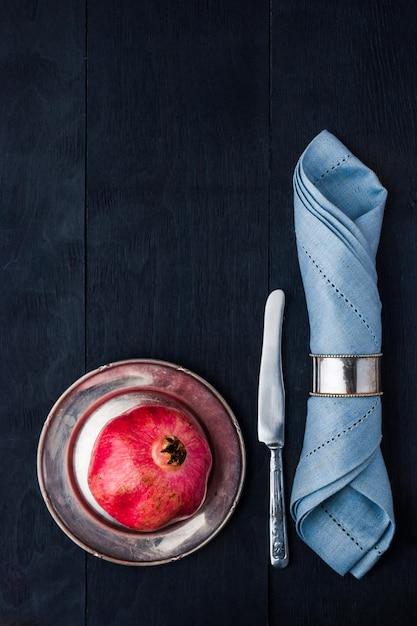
(271, 422)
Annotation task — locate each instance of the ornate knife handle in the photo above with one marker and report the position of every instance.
(277, 517)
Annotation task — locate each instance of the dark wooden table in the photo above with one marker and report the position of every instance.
(147, 152)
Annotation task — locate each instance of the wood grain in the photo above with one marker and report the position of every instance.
(350, 68)
(177, 257)
(42, 293)
(147, 153)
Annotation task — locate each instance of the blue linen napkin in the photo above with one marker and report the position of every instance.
(341, 498)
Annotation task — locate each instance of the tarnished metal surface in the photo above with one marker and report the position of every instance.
(346, 375)
(68, 437)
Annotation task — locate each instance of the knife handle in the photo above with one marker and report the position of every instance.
(277, 517)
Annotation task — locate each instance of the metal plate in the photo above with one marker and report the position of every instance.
(68, 436)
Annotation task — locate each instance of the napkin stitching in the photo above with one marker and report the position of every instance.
(342, 295)
(344, 431)
(347, 533)
(338, 164)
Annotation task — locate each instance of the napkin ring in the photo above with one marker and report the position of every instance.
(346, 375)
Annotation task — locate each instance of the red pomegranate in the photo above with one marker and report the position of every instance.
(150, 467)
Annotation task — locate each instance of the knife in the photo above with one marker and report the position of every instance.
(271, 418)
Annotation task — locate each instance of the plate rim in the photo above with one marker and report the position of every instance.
(158, 363)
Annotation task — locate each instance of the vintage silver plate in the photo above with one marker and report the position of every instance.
(68, 436)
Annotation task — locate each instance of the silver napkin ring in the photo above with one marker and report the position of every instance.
(346, 375)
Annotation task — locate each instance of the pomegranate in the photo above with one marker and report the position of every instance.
(149, 467)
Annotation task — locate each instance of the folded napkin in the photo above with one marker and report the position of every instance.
(341, 498)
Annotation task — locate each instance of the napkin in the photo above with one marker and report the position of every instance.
(341, 497)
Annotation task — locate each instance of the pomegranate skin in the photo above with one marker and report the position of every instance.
(150, 467)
